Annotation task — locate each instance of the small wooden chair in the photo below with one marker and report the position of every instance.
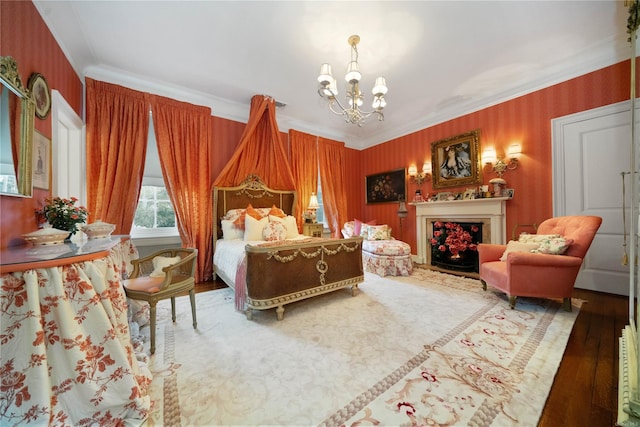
(161, 275)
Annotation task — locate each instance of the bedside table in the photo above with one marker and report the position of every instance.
(312, 229)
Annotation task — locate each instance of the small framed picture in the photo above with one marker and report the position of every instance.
(507, 192)
(469, 194)
(41, 161)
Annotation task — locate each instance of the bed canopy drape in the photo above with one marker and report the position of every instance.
(260, 150)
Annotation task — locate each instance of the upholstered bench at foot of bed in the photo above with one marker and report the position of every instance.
(387, 257)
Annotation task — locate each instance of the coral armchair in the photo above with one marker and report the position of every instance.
(540, 275)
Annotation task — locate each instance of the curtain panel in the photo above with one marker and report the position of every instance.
(183, 134)
(332, 166)
(117, 127)
(260, 151)
(304, 167)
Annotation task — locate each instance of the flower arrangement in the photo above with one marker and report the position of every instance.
(452, 237)
(63, 214)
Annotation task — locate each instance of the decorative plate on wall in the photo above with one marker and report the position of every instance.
(41, 95)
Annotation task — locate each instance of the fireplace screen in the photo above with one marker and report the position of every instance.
(454, 245)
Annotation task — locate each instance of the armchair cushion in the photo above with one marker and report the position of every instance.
(161, 262)
(516, 246)
(556, 246)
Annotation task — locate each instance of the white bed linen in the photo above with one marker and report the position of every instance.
(229, 254)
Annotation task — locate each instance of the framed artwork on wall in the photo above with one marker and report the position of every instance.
(386, 187)
(41, 94)
(456, 161)
(41, 161)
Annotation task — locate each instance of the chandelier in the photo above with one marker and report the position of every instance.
(351, 109)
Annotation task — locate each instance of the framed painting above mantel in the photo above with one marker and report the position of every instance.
(386, 187)
(456, 161)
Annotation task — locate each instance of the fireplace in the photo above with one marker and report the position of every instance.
(490, 213)
(453, 245)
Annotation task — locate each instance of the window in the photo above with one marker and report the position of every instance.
(154, 216)
(320, 211)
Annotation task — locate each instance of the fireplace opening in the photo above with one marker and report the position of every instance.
(454, 245)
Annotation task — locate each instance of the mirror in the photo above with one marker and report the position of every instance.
(17, 111)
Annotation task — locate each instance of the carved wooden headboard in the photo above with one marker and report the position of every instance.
(251, 190)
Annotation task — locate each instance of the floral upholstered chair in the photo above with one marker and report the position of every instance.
(381, 253)
(543, 265)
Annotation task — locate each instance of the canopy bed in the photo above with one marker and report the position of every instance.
(268, 272)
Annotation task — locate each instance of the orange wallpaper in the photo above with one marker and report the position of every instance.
(526, 119)
(25, 36)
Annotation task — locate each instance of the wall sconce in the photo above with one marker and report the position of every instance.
(500, 166)
(420, 177)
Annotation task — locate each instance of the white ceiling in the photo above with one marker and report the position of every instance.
(441, 59)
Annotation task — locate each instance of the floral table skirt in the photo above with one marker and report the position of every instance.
(66, 355)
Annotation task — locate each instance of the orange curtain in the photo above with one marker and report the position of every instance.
(332, 166)
(117, 128)
(304, 166)
(260, 151)
(183, 135)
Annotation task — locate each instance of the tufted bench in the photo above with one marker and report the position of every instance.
(385, 256)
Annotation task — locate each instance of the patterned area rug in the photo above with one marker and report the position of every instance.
(429, 349)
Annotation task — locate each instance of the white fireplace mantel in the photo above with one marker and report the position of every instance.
(489, 211)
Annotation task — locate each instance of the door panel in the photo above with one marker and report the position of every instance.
(590, 152)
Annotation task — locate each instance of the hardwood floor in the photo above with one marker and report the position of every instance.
(585, 389)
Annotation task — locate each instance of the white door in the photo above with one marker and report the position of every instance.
(591, 150)
(68, 156)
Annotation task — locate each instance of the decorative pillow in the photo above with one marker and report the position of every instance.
(161, 262)
(233, 214)
(348, 230)
(358, 229)
(517, 246)
(536, 238)
(249, 211)
(273, 231)
(289, 223)
(230, 231)
(378, 232)
(554, 246)
(276, 211)
(253, 228)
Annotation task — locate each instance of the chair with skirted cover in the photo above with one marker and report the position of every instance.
(164, 274)
(542, 265)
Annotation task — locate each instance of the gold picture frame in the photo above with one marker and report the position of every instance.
(41, 161)
(456, 161)
(386, 187)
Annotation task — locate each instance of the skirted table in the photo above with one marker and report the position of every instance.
(66, 354)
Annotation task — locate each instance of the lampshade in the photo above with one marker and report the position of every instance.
(380, 88)
(514, 151)
(413, 170)
(353, 75)
(325, 74)
(426, 167)
(313, 202)
(489, 155)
